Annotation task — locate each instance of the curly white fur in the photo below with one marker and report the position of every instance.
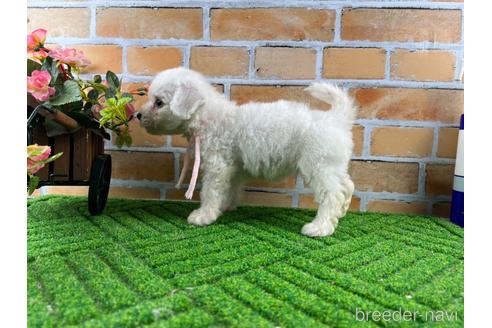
(265, 140)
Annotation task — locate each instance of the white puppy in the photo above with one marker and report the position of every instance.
(265, 140)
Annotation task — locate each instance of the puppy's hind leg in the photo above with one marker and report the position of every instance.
(233, 196)
(330, 194)
(348, 191)
(215, 188)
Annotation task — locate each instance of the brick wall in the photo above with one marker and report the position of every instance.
(401, 60)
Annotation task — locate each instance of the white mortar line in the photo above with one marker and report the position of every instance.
(295, 199)
(252, 4)
(459, 54)
(366, 142)
(421, 179)
(124, 62)
(299, 183)
(186, 56)
(206, 23)
(429, 207)
(251, 66)
(227, 90)
(363, 201)
(424, 45)
(435, 141)
(404, 123)
(92, 27)
(349, 83)
(177, 165)
(319, 63)
(387, 64)
(370, 195)
(395, 159)
(338, 25)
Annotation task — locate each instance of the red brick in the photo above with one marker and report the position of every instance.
(267, 93)
(422, 65)
(103, 58)
(448, 142)
(142, 166)
(385, 176)
(285, 63)
(358, 137)
(401, 25)
(354, 63)
(389, 206)
(65, 22)
(152, 60)
(220, 61)
(307, 201)
(442, 105)
(439, 179)
(272, 24)
(266, 199)
(149, 23)
(407, 142)
(441, 209)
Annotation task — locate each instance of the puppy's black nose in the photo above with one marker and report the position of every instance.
(139, 115)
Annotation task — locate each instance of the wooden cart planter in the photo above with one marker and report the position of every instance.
(83, 161)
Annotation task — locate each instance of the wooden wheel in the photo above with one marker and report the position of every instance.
(100, 179)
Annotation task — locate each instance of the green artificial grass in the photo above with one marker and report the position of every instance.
(140, 264)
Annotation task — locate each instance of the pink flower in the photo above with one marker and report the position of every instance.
(37, 56)
(35, 157)
(130, 110)
(38, 153)
(70, 57)
(36, 39)
(33, 167)
(38, 85)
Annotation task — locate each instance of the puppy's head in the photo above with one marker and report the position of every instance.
(174, 95)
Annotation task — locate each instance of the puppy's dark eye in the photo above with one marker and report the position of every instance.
(158, 102)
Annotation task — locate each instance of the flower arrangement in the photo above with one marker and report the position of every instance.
(54, 82)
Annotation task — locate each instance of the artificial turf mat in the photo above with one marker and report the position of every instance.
(140, 264)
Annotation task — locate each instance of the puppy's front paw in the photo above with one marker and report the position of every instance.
(318, 229)
(202, 217)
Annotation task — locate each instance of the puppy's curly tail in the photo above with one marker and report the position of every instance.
(342, 104)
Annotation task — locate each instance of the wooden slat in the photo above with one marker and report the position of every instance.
(82, 157)
(62, 164)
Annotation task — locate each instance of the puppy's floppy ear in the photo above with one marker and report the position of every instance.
(186, 99)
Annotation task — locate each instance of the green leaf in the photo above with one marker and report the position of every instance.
(52, 158)
(97, 78)
(48, 62)
(53, 70)
(128, 140)
(32, 66)
(68, 94)
(113, 80)
(33, 183)
(127, 95)
(110, 93)
(119, 141)
(93, 94)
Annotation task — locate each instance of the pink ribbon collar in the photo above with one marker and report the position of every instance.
(196, 167)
